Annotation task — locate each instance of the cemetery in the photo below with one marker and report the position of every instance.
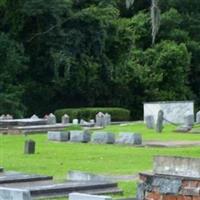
(97, 157)
(99, 100)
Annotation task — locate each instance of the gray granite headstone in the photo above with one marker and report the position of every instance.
(189, 120)
(150, 123)
(129, 138)
(159, 123)
(198, 117)
(103, 138)
(79, 136)
(107, 118)
(65, 119)
(3, 117)
(58, 135)
(51, 119)
(14, 194)
(29, 147)
(80, 196)
(100, 119)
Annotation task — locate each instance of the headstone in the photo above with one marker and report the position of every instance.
(65, 119)
(100, 119)
(29, 147)
(129, 138)
(58, 135)
(8, 117)
(198, 117)
(2, 117)
(149, 121)
(14, 194)
(79, 136)
(75, 121)
(107, 118)
(103, 138)
(51, 119)
(34, 117)
(80, 196)
(160, 119)
(92, 121)
(189, 120)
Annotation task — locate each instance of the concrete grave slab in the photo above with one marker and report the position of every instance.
(103, 137)
(81, 196)
(14, 194)
(177, 166)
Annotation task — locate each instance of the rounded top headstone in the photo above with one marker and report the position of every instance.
(34, 117)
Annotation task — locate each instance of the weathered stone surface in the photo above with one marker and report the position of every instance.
(65, 119)
(14, 194)
(141, 191)
(107, 119)
(103, 137)
(8, 117)
(149, 120)
(129, 138)
(189, 120)
(177, 166)
(79, 136)
(198, 117)
(100, 119)
(80, 196)
(159, 123)
(58, 135)
(51, 119)
(29, 147)
(85, 176)
(75, 121)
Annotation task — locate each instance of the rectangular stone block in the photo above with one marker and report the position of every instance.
(14, 194)
(80, 196)
(58, 136)
(103, 138)
(177, 166)
(79, 136)
(129, 138)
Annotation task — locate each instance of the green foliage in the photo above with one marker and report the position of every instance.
(12, 66)
(118, 114)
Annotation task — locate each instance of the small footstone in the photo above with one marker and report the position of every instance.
(189, 120)
(14, 194)
(129, 138)
(183, 129)
(198, 117)
(80, 196)
(79, 136)
(29, 147)
(149, 120)
(58, 135)
(103, 138)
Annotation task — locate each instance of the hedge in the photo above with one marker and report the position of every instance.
(117, 114)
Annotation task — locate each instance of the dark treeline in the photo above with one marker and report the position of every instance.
(73, 53)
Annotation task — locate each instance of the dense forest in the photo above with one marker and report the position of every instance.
(73, 53)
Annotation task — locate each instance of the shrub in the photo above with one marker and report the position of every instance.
(118, 114)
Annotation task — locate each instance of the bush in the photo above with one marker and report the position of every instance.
(117, 114)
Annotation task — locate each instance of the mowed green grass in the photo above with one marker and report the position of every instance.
(54, 158)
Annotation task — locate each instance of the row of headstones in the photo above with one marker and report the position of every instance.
(97, 137)
(188, 120)
(20, 194)
(6, 117)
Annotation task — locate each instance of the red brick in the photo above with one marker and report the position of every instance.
(153, 196)
(187, 197)
(169, 197)
(180, 197)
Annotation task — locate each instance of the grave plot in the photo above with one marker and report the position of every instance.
(43, 186)
(173, 178)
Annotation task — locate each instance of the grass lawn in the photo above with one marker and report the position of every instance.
(53, 158)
